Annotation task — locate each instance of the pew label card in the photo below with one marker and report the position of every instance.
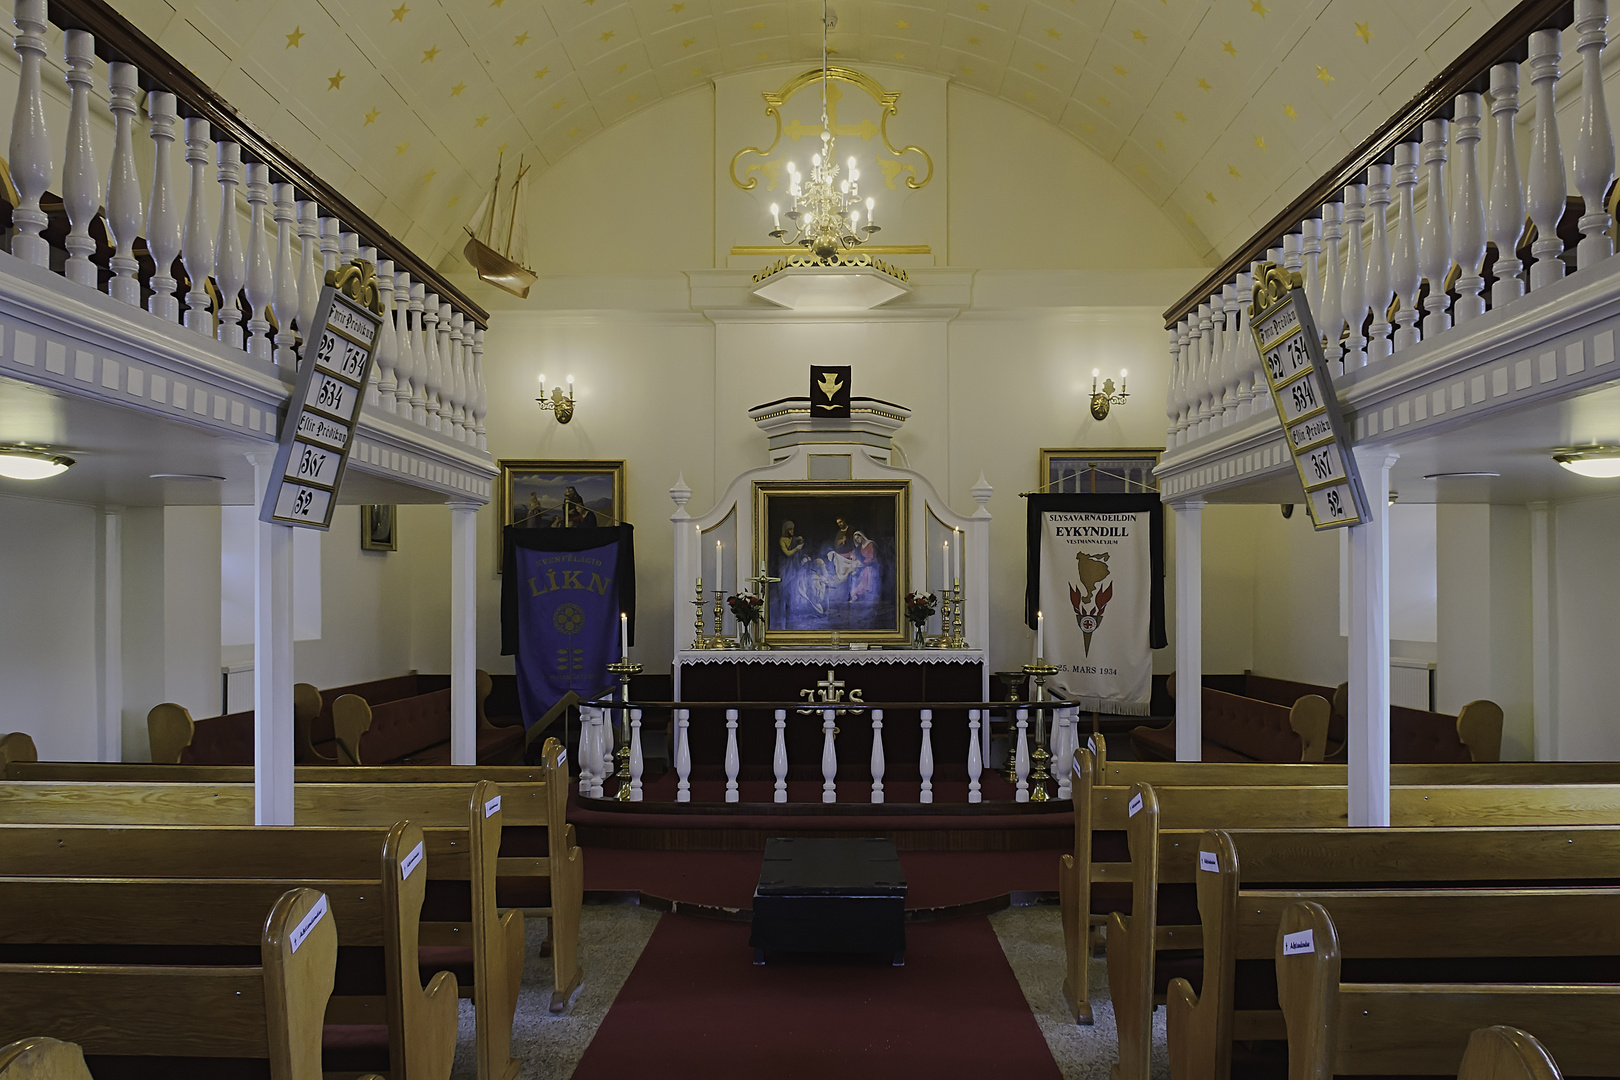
(492, 807)
(1302, 942)
(318, 431)
(1208, 861)
(1302, 390)
(309, 922)
(410, 862)
(1136, 805)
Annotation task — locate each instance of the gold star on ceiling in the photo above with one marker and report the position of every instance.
(1179, 116)
(455, 91)
(982, 6)
(559, 103)
(1288, 111)
(453, 200)
(1160, 144)
(371, 117)
(676, 9)
(1142, 169)
(687, 43)
(1088, 129)
(429, 55)
(697, 73)
(428, 178)
(762, 56)
(1121, 72)
(1138, 35)
(521, 38)
(902, 25)
(1259, 8)
(966, 70)
(335, 82)
(496, 3)
(607, 35)
(401, 148)
(1233, 170)
(573, 131)
(481, 121)
(295, 37)
(1029, 95)
(899, 56)
(501, 149)
(1203, 84)
(1228, 48)
(1052, 32)
(1364, 32)
(621, 69)
(1210, 195)
(633, 98)
(1039, 66)
(973, 41)
(1260, 142)
(1322, 73)
(1189, 218)
(757, 26)
(542, 73)
(400, 13)
(1104, 102)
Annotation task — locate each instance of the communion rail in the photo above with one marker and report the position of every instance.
(597, 745)
(247, 298)
(1407, 306)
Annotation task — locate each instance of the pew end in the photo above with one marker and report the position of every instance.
(42, 1058)
(1132, 944)
(169, 728)
(1479, 727)
(17, 746)
(351, 718)
(1309, 718)
(1506, 1053)
(307, 703)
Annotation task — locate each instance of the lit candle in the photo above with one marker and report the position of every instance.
(870, 203)
(945, 566)
(624, 636)
(570, 388)
(719, 574)
(1122, 380)
(1094, 374)
(1040, 635)
(961, 558)
(776, 215)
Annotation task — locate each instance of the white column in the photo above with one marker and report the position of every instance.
(163, 213)
(1543, 634)
(196, 242)
(272, 660)
(109, 634)
(1375, 286)
(30, 157)
(1369, 646)
(1434, 247)
(1547, 184)
(1189, 629)
(463, 633)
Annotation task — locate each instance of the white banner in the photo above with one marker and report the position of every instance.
(1096, 595)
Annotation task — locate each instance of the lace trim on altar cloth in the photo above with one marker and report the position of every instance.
(834, 657)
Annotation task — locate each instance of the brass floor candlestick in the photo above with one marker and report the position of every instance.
(1040, 757)
(698, 640)
(624, 669)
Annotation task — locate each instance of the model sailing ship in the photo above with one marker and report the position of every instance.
(496, 252)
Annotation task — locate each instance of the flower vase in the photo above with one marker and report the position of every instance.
(918, 638)
(745, 636)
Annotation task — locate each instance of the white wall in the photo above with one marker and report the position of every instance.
(1587, 589)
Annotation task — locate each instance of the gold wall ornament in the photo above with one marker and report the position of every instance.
(357, 280)
(1271, 285)
(841, 259)
(888, 101)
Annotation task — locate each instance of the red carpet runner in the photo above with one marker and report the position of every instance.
(696, 1008)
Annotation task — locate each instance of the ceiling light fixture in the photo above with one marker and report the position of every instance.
(187, 477)
(1455, 475)
(1600, 462)
(31, 463)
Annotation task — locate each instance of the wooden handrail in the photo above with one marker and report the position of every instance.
(118, 39)
(1472, 67)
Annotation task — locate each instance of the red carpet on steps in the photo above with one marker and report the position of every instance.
(727, 878)
(696, 1008)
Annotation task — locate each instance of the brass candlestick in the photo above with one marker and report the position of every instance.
(719, 640)
(956, 638)
(624, 669)
(1009, 768)
(1039, 758)
(946, 603)
(698, 640)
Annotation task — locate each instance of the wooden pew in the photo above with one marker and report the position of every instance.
(271, 1010)
(1506, 1053)
(79, 885)
(1415, 873)
(176, 739)
(17, 746)
(1357, 1029)
(1246, 729)
(415, 730)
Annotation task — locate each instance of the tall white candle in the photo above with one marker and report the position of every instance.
(960, 556)
(719, 573)
(1040, 635)
(624, 636)
(945, 566)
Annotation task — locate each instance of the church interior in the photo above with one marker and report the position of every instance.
(589, 538)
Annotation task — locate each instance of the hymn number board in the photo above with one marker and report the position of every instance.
(1291, 354)
(325, 408)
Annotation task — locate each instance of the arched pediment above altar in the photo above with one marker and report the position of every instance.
(788, 424)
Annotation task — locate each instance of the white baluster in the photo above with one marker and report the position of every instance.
(925, 758)
(1378, 289)
(1311, 264)
(31, 166)
(588, 757)
(348, 248)
(975, 764)
(447, 381)
(733, 762)
(1223, 400)
(196, 244)
(369, 254)
(483, 388)
(1434, 248)
(779, 762)
(1331, 320)
(310, 277)
(81, 180)
(330, 260)
(286, 294)
(388, 343)
(1468, 222)
(162, 213)
(1548, 189)
(418, 354)
(1505, 215)
(1238, 344)
(1594, 142)
(1209, 387)
(683, 755)
(432, 371)
(261, 282)
(877, 755)
(637, 763)
(1021, 757)
(1172, 409)
(229, 263)
(1354, 293)
(604, 727)
(1063, 754)
(123, 185)
(1184, 411)
(404, 366)
(1293, 254)
(1249, 354)
(1405, 278)
(459, 357)
(829, 759)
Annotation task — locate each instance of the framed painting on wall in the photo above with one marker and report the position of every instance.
(377, 525)
(840, 548)
(1083, 471)
(558, 494)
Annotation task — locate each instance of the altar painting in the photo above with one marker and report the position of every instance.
(839, 548)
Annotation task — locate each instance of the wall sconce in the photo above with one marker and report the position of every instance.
(1105, 399)
(559, 402)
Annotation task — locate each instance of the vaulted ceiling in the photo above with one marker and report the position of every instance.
(1220, 112)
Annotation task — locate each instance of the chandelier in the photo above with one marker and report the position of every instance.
(826, 213)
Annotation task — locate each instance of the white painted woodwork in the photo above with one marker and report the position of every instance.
(606, 719)
(1353, 294)
(1021, 755)
(464, 633)
(1063, 752)
(286, 303)
(1594, 141)
(1183, 382)
(1209, 390)
(877, 755)
(110, 633)
(1543, 633)
(1310, 243)
(1434, 246)
(683, 755)
(483, 388)
(230, 267)
(123, 185)
(162, 211)
(1223, 391)
(447, 364)
(432, 370)
(925, 758)
(975, 763)
(779, 759)
(1189, 516)
(459, 356)
(387, 340)
(272, 659)
(1468, 222)
(1332, 321)
(1404, 276)
(733, 761)
(1237, 331)
(1547, 186)
(30, 155)
(261, 280)
(1172, 401)
(1369, 646)
(330, 228)
(348, 247)
(310, 277)
(829, 759)
(81, 180)
(418, 354)
(638, 762)
(404, 366)
(1248, 354)
(196, 245)
(587, 758)
(1505, 214)
(369, 254)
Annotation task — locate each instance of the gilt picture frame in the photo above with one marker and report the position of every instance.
(841, 548)
(378, 525)
(532, 493)
(1090, 470)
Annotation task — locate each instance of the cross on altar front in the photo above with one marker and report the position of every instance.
(828, 685)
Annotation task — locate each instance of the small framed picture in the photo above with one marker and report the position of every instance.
(558, 495)
(377, 527)
(1087, 471)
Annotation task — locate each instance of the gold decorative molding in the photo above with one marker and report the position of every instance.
(888, 101)
(842, 259)
(357, 280)
(870, 249)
